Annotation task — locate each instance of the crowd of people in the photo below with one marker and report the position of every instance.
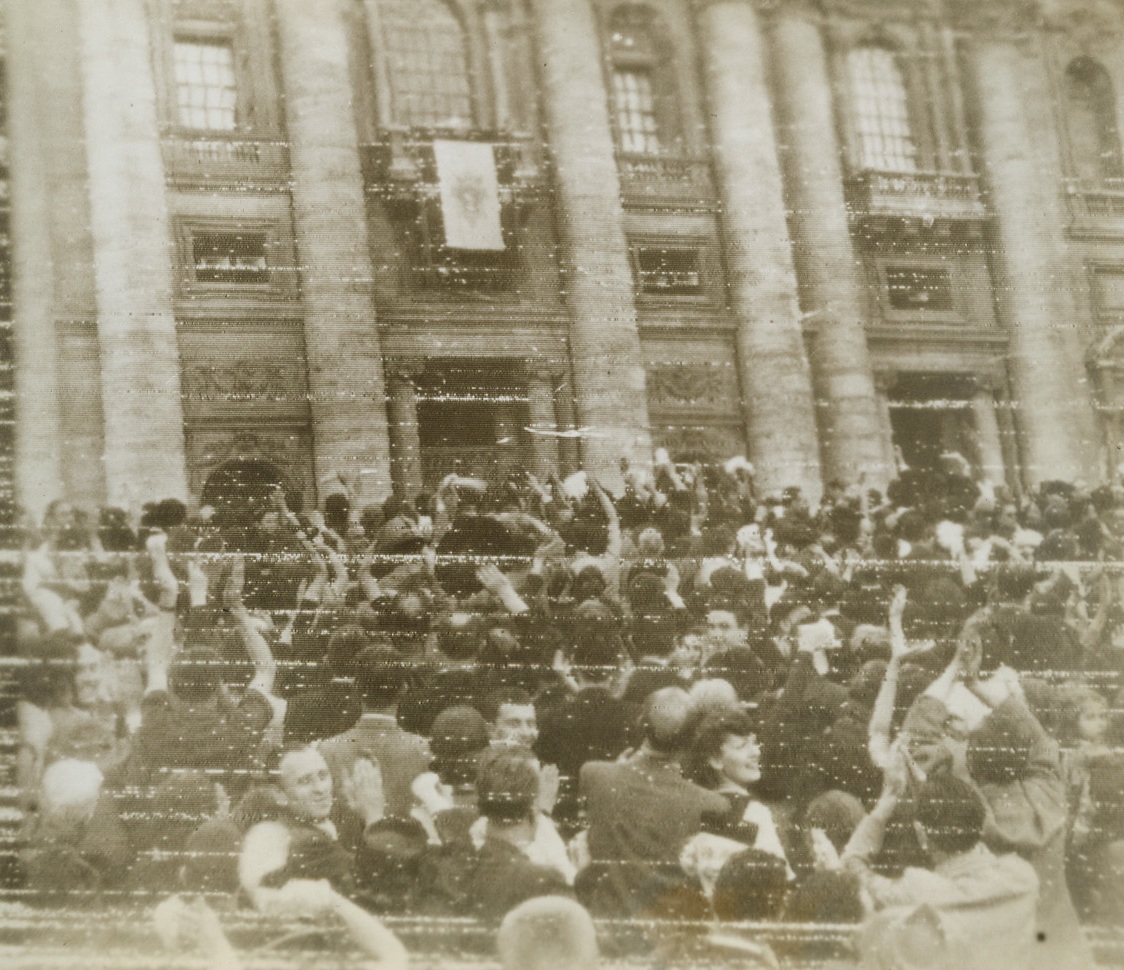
(691, 702)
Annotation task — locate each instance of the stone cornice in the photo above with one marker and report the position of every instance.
(1090, 24)
(991, 17)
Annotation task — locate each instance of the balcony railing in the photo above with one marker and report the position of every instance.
(206, 159)
(403, 163)
(929, 196)
(665, 177)
(1095, 205)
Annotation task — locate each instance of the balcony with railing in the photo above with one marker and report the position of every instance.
(207, 159)
(927, 196)
(401, 166)
(1096, 207)
(664, 178)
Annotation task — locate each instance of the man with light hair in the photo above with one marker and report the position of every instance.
(548, 933)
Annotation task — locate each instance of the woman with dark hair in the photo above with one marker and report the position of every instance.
(725, 757)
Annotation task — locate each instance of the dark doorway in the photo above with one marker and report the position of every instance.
(241, 484)
(472, 420)
(930, 415)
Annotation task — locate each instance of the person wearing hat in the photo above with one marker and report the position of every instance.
(445, 796)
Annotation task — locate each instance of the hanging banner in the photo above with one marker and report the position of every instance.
(470, 194)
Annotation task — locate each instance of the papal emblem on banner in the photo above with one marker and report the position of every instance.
(470, 194)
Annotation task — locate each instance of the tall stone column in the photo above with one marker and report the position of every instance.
(608, 367)
(543, 420)
(826, 264)
(132, 238)
(38, 472)
(989, 441)
(402, 412)
(773, 366)
(1034, 275)
(345, 369)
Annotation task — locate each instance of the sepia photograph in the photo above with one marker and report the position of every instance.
(562, 484)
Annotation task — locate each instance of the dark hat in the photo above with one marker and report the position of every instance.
(458, 732)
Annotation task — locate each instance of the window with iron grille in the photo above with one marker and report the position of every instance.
(206, 89)
(668, 272)
(919, 288)
(229, 257)
(881, 110)
(428, 64)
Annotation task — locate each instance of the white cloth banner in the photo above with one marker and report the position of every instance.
(470, 194)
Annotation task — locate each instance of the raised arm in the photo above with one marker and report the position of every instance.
(265, 666)
(882, 717)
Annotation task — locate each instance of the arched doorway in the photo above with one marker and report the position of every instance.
(241, 484)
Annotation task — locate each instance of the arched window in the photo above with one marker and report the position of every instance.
(1090, 106)
(881, 110)
(428, 64)
(643, 83)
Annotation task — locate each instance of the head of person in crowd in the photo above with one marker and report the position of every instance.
(668, 719)
(69, 790)
(821, 641)
(596, 657)
(646, 594)
(724, 753)
(823, 897)
(650, 544)
(380, 677)
(507, 787)
(49, 680)
(743, 669)
(751, 887)
(62, 528)
(114, 530)
(195, 678)
(406, 617)
(305, 782)
(512, 719)
(457, 739)
(949, 816)
(654, 636)
(548, 933)
(714, 696)
(1083, 715)
(999, 750)
(835, 815)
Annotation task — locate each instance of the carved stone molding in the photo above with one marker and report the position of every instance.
(1090, 24)
(709, 385)
(990, 17)
(716, 443)
(288, 448)
(245, 380)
